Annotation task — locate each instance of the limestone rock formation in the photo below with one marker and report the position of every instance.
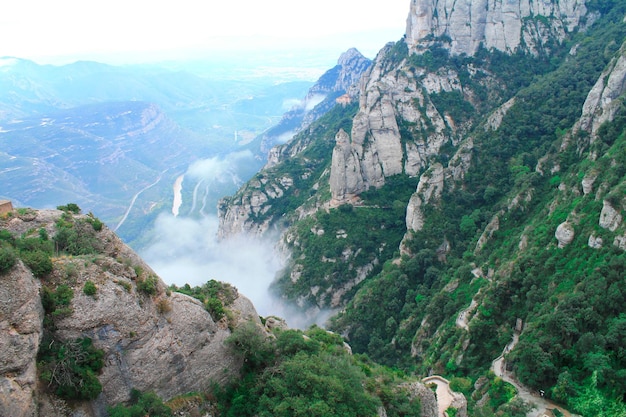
(346, 181)
(610, 218)
(602, 101)
(564, 234)
(429, 187)
(502, 25)
(153, 340)
(21, 326)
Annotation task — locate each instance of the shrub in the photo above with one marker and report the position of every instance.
(164, 306)
(38, 261)
(142, 404)
(70, 207)
(148, 285)
(71, 367)
(90, 288)
(7, 259)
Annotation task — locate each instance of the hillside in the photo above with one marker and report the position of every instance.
(474, 196)
(88, 329)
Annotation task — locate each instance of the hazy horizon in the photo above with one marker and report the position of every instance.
(138, 32)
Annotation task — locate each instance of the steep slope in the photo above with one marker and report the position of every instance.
(97, 305)
(503, 167)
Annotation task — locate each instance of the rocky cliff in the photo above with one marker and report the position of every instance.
(487, 150)
(152, 339)
(466, 26)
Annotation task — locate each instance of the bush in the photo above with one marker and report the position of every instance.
(7, 259)
(71, 208)
(71, 367)
(90, 288)
(148, 285)
(38, 261)
(142, 404)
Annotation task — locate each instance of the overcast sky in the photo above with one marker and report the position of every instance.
(59, 31)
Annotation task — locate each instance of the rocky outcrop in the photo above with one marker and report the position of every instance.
(21, 327)
(427, 398)
(430, 187)
(341, 80)
(564, 234)
(605, 98)
(502, 25)
(346, 181)
(154, 340)
(610, 218)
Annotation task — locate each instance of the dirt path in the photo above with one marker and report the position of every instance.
(462, 319)
(540, 404)
(444, 394)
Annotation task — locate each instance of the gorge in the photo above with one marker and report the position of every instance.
(457, 204)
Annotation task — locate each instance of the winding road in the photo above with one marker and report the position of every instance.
(445, 397)
(132, 202)
(541, 406)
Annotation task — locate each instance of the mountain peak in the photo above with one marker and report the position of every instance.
(506, 25)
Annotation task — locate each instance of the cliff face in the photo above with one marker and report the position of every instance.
(503, 25)
(153, 339)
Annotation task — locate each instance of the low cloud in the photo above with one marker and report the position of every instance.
(217, 167)
(186, 251)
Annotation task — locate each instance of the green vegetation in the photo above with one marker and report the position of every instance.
(521, 180)
(8, 258)
(141, 404)
(147, 285)
(90, 288)
(70, 367)
(308, 374)
(216, 296)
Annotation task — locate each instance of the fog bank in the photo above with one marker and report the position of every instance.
(186, 251)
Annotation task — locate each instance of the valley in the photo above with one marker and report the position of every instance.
(438, 231)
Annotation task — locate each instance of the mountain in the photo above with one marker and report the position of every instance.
(115, 139)
(87, 328)
(470, 205)
(342, 80)
(99, 311)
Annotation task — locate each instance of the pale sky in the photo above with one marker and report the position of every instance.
(135, 30)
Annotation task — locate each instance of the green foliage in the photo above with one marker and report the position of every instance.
(71, 367)
(70, 208)
(38, 261)
(251, 342)
(592, 402)
(90, 288)
(215, 296)
(141, 404)
(323, 385)
(8, 258)
(57, 302)
(297, 373)
(75, 237)
(462, 385)
(147, 285)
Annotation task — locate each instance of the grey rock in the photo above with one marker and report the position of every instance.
(610, 218)
(564, 234)
(503, 25)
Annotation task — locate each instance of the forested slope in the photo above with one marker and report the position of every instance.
(503, 200)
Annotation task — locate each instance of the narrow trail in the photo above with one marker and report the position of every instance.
(444, 393)
(132, 202)
(462, 319)
(541, 406)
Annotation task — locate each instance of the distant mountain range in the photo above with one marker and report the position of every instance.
(115, 138)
